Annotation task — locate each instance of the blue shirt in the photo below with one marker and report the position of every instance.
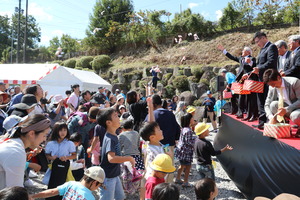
(168, 124)
(65, 148)
(75, 190)
(230, 77)
(110, 144)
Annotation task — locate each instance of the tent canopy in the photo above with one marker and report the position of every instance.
(53, 78)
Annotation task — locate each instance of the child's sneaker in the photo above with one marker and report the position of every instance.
(187, 184)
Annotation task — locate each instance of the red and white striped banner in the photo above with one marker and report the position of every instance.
(279, 130)
(28, 81)
(253, 86)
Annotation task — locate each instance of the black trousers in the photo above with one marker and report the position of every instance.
(261, 99)
(252, 110)
(242, 104)
(234, 103)
(58, 175)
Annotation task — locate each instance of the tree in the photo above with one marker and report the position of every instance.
(5, 35)
(108, 13)
(229, 19)
(54, 44)
(246, 7)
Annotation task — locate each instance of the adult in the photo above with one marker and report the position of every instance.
(267, 59)
(180, 111)
(101, 94)
(283, 53)
(286, 90)
(138, 109)
(173, 105)
(168, 124)
(26, 107)
(29, 135)
(85, 97)
(292, 65)
(3, 115)
(209, 103)
(245, 102)
(97, 100)
(73, 101)
(57, 110)
(154, 70)
(38, 92)
(2, 87)
(17, 90)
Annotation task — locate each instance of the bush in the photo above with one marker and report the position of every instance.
(133, 75)
(170, 91)
(165, 78)
(70, 63)
(197, 72)
(181, 83)
(197, 102)
(79, 68)
(193, 79)
(84, 62)
(100, 62)
(142, 83)
(60, 62)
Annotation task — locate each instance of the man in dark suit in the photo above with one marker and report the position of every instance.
(289, 89)
(292, 66)
(267, 59)
(284, 54)
(247, 63)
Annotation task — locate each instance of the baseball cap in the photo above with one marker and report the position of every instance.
(99, 88)
(163, 163)
(200, 128)
(208, 92)
(223, 71)
(11, 121)
(120, 96)
(96, 173)
(122, 106)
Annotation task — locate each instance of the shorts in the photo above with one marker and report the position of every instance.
(184, 162)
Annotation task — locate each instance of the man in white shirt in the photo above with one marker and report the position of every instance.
(287, 89)
(283, 53)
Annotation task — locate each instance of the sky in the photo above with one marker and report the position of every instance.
(57, 17)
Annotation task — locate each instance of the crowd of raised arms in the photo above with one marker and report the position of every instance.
(127, 143)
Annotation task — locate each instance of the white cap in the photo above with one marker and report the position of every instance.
(96, 173)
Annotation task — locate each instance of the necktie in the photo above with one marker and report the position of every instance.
(280, 104)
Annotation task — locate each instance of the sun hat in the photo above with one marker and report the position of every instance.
(96, 173)
(28, 101)
(191, 109)
(57, 98)
(119, 96)
(122, 106)
(11, 121)
(200, 128)
(163, 163)
(4, 94)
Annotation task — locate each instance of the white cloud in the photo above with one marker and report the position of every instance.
(45, 40)
(219, 14)
(39, 12)
(192, 5)
(205, 14)
(8, 13)
(58, 33)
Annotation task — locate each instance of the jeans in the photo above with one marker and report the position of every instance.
(206, 171)
(114, 189)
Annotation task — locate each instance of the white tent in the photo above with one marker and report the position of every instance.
(53, 78)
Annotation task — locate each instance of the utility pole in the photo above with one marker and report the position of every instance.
(18, 45)
(25, 34)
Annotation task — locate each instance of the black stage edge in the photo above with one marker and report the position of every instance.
(258, 165)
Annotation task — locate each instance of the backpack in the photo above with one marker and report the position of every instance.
(131, 183)
(82, 115)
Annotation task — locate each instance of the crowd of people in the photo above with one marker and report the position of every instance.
(127, 143)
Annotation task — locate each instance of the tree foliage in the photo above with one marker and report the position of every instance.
(230, 17)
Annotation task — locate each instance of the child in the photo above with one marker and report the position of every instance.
(93, 179)
(59, 150)
(185, 149)
(15, 192)
(204, 150)
(111, 155)
(165, 191)
(161, 166)
(77, 165)
(206, 189)
(130, 142)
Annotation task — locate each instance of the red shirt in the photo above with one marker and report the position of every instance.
(150, 184)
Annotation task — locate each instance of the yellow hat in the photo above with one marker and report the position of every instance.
(200, 128)
(191, 109)
(163, 163)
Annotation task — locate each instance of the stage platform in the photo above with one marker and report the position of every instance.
(292, 141)
(258, 165)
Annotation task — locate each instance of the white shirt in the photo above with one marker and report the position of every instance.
(12, 163)
(286, 99)
(282, 60)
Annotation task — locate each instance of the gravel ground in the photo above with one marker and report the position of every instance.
(227, 189)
